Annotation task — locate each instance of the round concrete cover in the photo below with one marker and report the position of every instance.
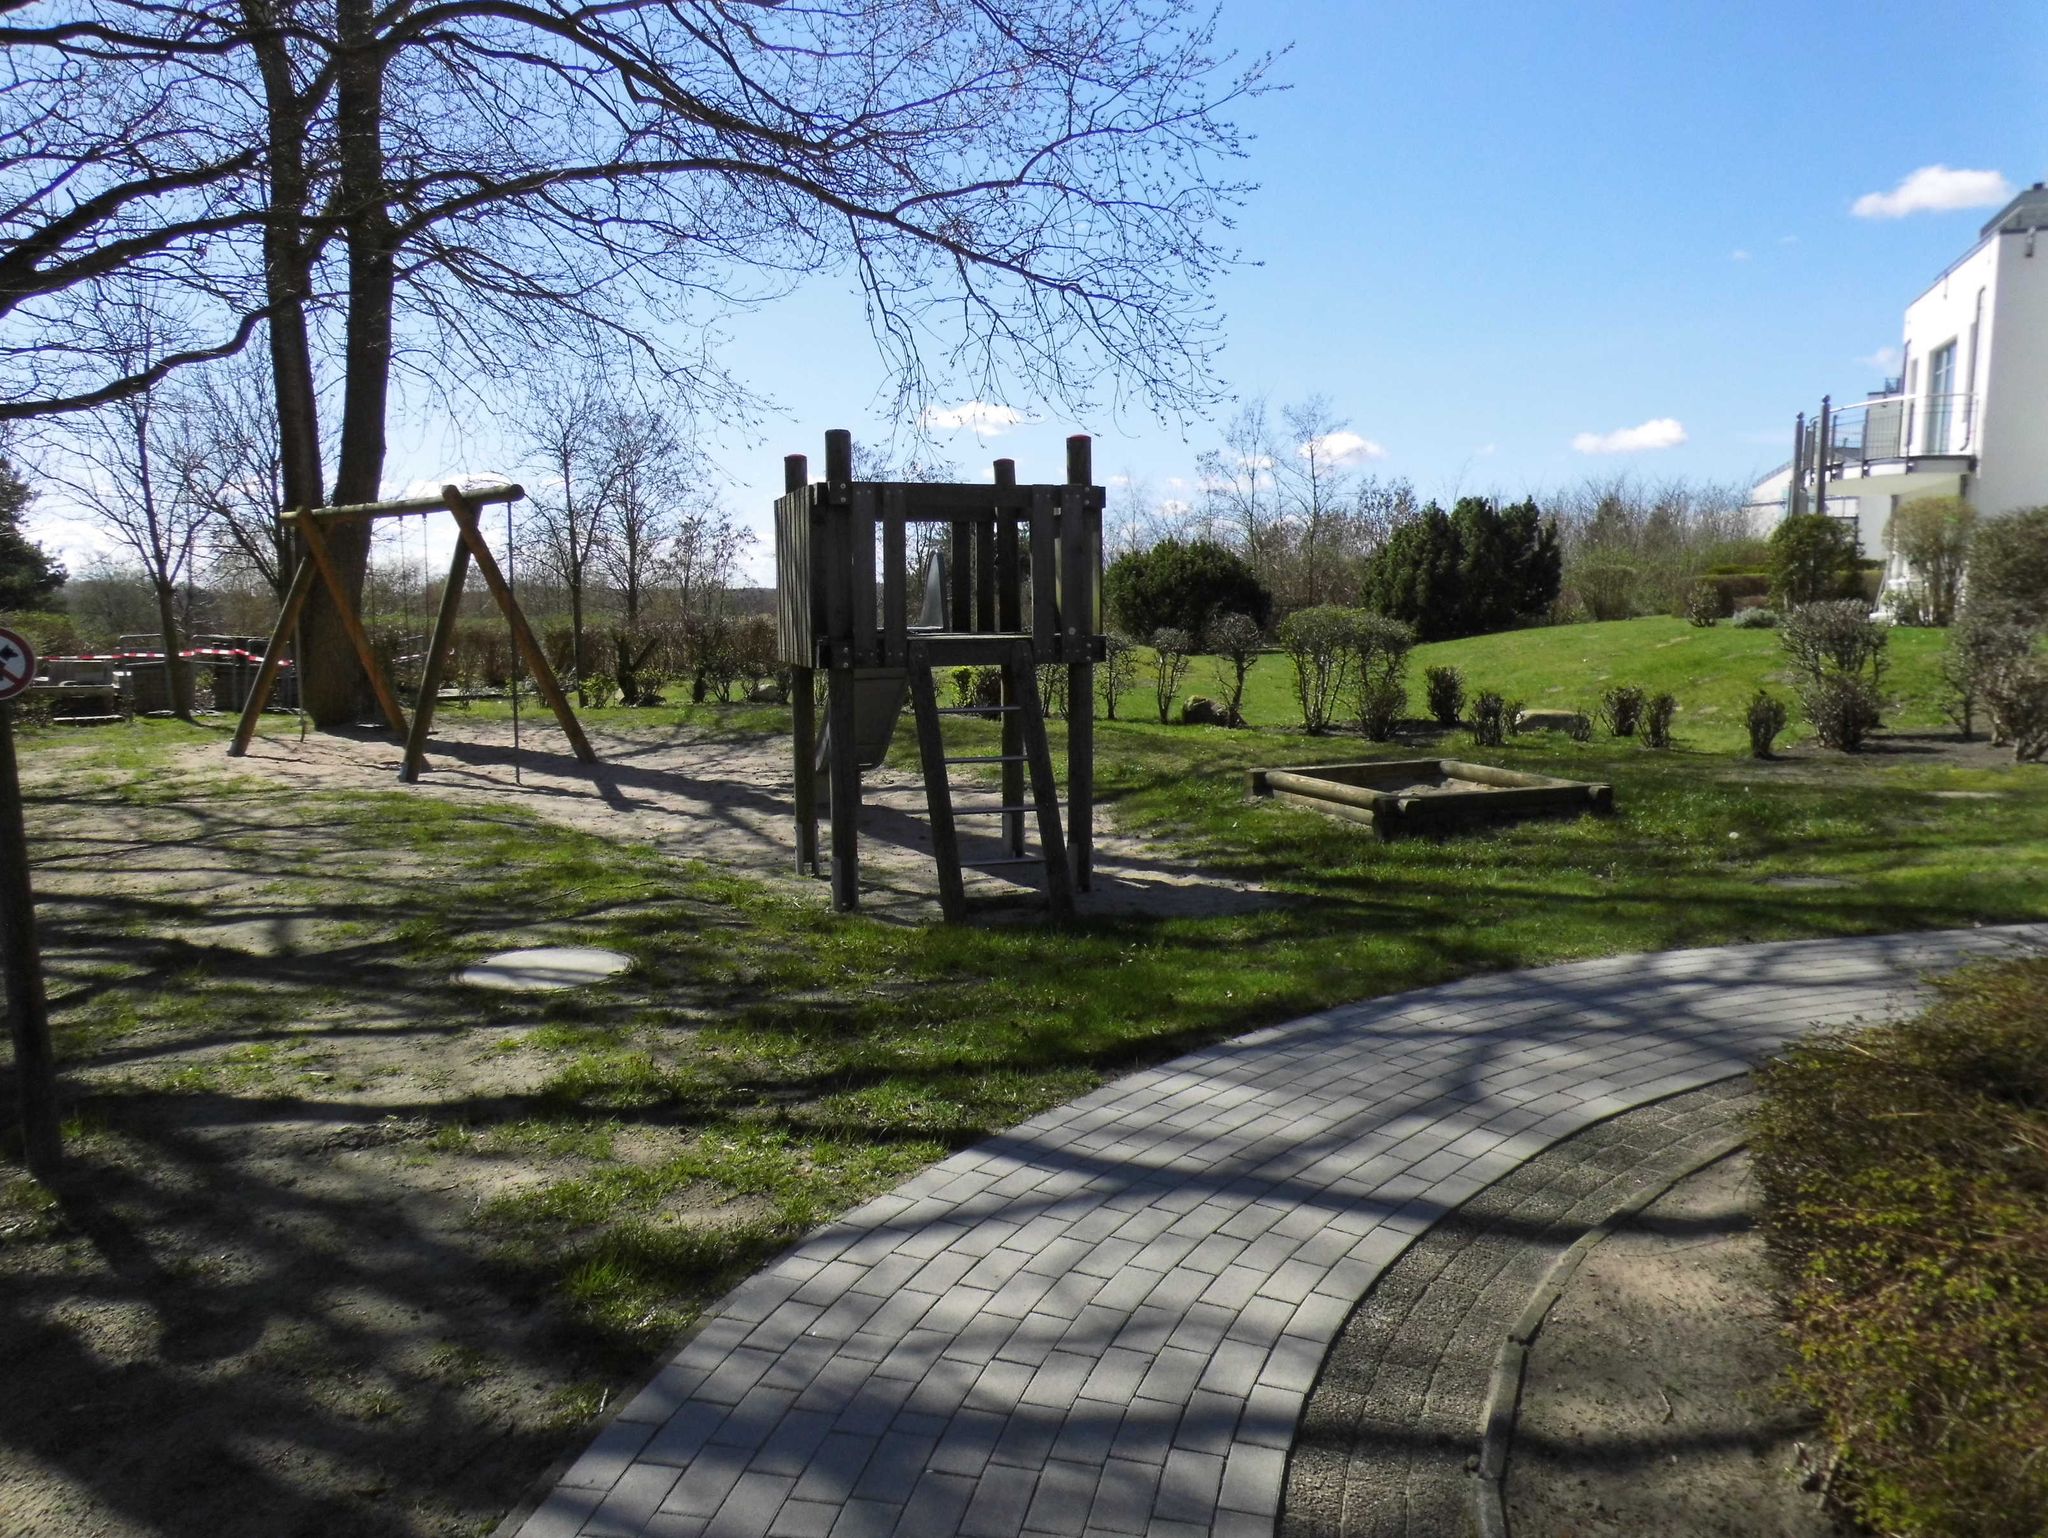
(546, 968)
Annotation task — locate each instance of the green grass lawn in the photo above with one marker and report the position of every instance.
(769, 1063)
(1712, 672)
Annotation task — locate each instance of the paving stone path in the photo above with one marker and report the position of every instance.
(1106, 1320)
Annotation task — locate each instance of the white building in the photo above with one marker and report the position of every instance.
(1968, 415)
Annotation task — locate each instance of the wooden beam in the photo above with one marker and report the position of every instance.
(1010, 617)
(522, 634)
(437, 658)
(352, 623)
(481, 496)
(1078, 524)
(931, 750)
(273, 657)
(843, 779)
(895, 599)
(28, 1015)
(1059, 887)
(803, 707)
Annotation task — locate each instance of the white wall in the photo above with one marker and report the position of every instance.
(1944, 314)
(2013, 463)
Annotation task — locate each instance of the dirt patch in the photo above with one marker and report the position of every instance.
(729, 800)
(263, 1304)
(1649, 1402)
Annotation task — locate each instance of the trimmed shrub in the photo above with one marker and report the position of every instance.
(1839, 636)
(1657, 714)
(2023, 704)
(1813, 558)
(1381, 705)
(1383, 645)
(2009, 567)
(1445, 687)
(1765, 718)
(1489, 720)
(1605, 588)
(1755, 619)
(1904, 1169)
(1621, 710)
(1703, 605)
(1322, 644)
(977, 688)
(1842, 709)
(1234, 639)
(1182, 585)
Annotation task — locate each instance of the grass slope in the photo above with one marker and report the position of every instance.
(1712, 672)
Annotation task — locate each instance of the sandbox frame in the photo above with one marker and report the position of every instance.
(1375, 792)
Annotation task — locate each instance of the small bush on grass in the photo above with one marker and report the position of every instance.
(1703, 604)
(1383, 645)
(1234, 638)
(1579, 727)
(1381, 705)
(1842, 709)
(1621, 710)
(977, 688)
(1445, 686)
(1657, 714)
(1905, 1176)
(1838, 651)
(1489, 720)
(1759, 618)
(1117, 672)
(1172, 648)
(1053, 696)
(1322, 644)
(1766, 718)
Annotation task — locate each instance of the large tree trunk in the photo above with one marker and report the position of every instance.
(332, 682)
(177, 668)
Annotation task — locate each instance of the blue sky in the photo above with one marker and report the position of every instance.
(1487, 230)
(1484, 230)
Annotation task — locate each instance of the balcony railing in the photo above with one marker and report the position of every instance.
(1900, 426)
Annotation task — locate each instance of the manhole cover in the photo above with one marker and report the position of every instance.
(1808, 883)
(545, 968)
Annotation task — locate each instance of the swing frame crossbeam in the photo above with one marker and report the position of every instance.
(317, 564)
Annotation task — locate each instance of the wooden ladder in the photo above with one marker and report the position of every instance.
(1021, 708)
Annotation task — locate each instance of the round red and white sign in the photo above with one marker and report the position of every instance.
(17, 664)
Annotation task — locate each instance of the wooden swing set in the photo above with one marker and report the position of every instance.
(317, 563)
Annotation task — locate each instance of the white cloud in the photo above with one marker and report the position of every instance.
(1486, 450)
(1342, 447)
(1738, 255)
(986, 420)
(1934, 189)
(1657, 433)
(1885, 360)
(1255, 461)
(1175, 507)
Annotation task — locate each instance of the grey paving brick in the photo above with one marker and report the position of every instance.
(609, 1455)
(752, 1507)
(1001, 1498)
(1105, 1321)
(561, 1514)
(1188, 1486)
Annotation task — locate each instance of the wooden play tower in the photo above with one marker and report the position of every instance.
(1018, 584)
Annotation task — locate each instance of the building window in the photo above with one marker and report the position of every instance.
(1941, 384)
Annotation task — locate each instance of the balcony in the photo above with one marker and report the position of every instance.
(1886, 446)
